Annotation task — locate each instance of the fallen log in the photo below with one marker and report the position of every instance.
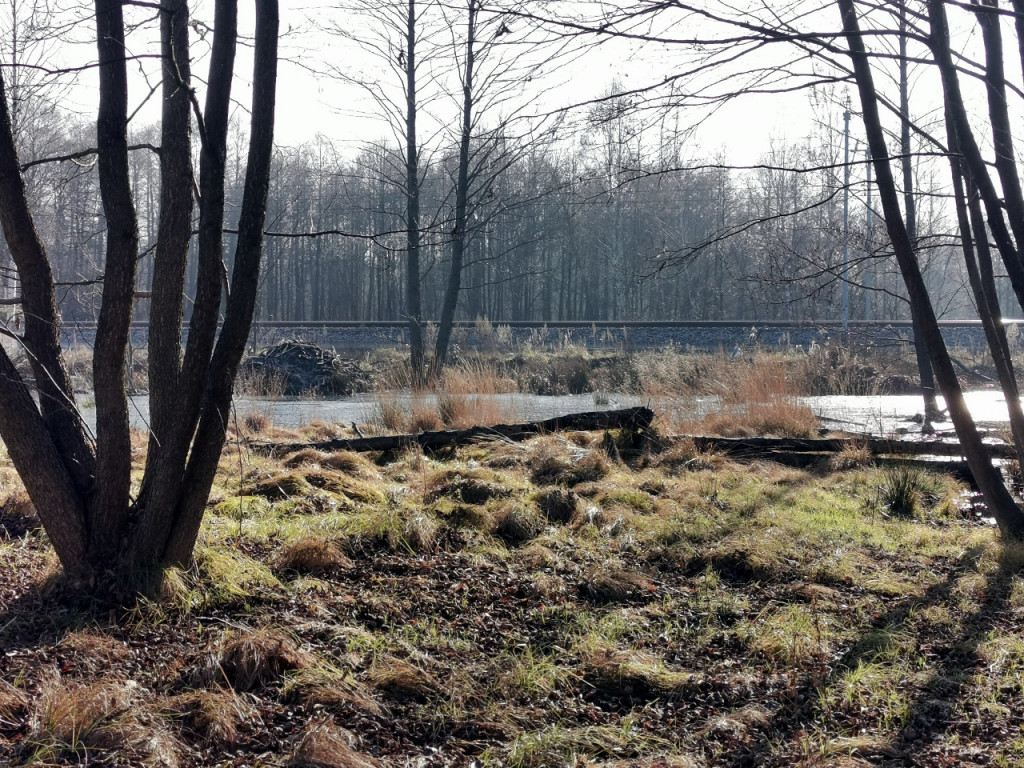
(636, 419)
(876, 446)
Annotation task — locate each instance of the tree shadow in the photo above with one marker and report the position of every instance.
(956, 660)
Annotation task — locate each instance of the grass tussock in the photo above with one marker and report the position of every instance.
(324, 745)
(327, 686)
(213, 716)
(312, 554)
(536, 604)
(402, 680)
(251, 659)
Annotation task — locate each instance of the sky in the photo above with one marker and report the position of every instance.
(312, 103)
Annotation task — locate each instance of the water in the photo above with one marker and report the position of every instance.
(884, 415)
(875, 414)
(289, 413)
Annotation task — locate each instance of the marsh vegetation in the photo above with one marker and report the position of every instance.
(571, 600)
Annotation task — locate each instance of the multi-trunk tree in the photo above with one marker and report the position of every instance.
(106, 536)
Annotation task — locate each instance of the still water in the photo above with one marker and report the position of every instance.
(875, 414)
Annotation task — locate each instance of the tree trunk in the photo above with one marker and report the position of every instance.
(451, 295)
(102, 539)
(924, 366)
(997, 498)
(414, 308)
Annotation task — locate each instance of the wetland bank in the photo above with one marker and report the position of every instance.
(577, 599)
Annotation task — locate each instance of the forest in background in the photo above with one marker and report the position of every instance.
(623, 222)
(603, 209)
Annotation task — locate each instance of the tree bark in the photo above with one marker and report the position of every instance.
(109, 506)
(924, 366)
(414, 307)
(451, 295)
(241, 304)
(938, 41)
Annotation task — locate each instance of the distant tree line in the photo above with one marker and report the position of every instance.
(620, 223)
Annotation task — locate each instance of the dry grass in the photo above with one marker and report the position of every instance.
(251, 382)
(214, 716)
(69, 718)
(312, 554)
(330, 687)
(325, 745)
(94, 650)
(402, 680)
(611, 584)
(516, 523)
(252, 659)
(13, 703)
(555, 461)
(855, 455)
(558, 505)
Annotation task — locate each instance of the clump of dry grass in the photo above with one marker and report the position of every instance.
(420, 532)
(256, 423)
(69, 718)
(256, 382)
(17, 514)
(318, 429)
(93, 650)
(282, 485)
(312, 554)
(327, 687)
(214, 715)
(515, 523)
(13, 702)
(402, 680)
(683, 456)
(635, 674)
(558, 505)
(462, 485)
(325, 745)
(853, 456)
(388, 414)
(557, 462)
(425, 418)
(252, 659)
(611, 584)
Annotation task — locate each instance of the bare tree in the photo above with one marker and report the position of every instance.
(81, 488)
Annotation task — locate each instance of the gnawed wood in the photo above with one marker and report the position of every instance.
(631, 418)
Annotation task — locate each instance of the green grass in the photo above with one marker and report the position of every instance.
(673, 615)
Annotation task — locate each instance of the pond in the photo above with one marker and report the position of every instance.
(875, 414)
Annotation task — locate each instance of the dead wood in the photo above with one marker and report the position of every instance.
(762, 446)
(636, 419)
